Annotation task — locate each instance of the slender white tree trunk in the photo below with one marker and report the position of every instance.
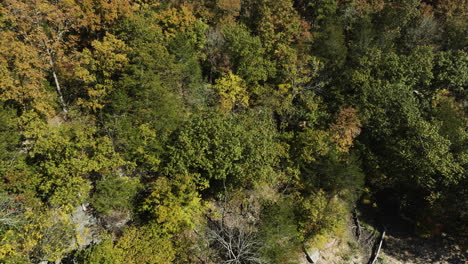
(56, 80)
(57, 86)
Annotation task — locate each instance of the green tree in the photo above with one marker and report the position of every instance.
(147, 244)
(114, 193)
(279, 233)
(247, 54)
(66, 158)
(233, 148)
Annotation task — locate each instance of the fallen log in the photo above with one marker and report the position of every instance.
(377, 251)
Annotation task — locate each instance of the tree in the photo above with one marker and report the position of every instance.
(114, 193)
(43, 236)
(330, 43)
(21, 77)
(346, 128)
(278, 232)
(450, 71)
(66, 158)
(147, 244)
(247, 54)
(318, 216)
(174, 204)
(46, 27)
(232, 92)
(100, 16)
(218, 148)
(98, 70)
(10, 212)
(9, 138)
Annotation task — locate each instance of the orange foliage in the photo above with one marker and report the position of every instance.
(21, 75)
(346, 127)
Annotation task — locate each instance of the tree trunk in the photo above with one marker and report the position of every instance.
(57, 86)
(57, 83)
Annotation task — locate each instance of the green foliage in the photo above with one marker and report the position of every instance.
(320, 215)
(330, 44)
(278, 233)
(115, 193)
(9, 140)
(218, 147)
(165, 107)
(247, 54)
(102, 253)
(66, 157)
(451, 71)
(145, 244)
(323, 9)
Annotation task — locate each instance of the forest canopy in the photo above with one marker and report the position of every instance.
(226, 131)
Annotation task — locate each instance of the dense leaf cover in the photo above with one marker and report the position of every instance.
(228, 131)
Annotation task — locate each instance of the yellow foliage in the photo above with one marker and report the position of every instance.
(232, 92)
(97, 67)
(144, 245)
(48, 234)
(175, 20)
(21, 76)
(322, 217)
(174, 204)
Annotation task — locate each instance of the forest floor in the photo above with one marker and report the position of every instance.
(403, 247)
(400, 246)
(414, 250)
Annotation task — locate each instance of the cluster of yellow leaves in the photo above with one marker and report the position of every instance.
(174, 203)
(50, 233)
(149, 136)
(232, 6)
(451, 8)
(322, 216)
(97, 67)
(232, 92)
(369, 6)
(44, 30)
(280, 23)
(175, 20)
(315, 143)
(145, 245)
(21, 76)
(103, 14)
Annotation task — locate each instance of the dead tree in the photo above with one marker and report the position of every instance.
(375, 256)
(235, 242)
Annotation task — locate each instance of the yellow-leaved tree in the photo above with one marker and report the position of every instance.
(97, 69)
(232, 92)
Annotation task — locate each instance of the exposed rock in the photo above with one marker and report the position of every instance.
(314, 255)
(84, 222)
